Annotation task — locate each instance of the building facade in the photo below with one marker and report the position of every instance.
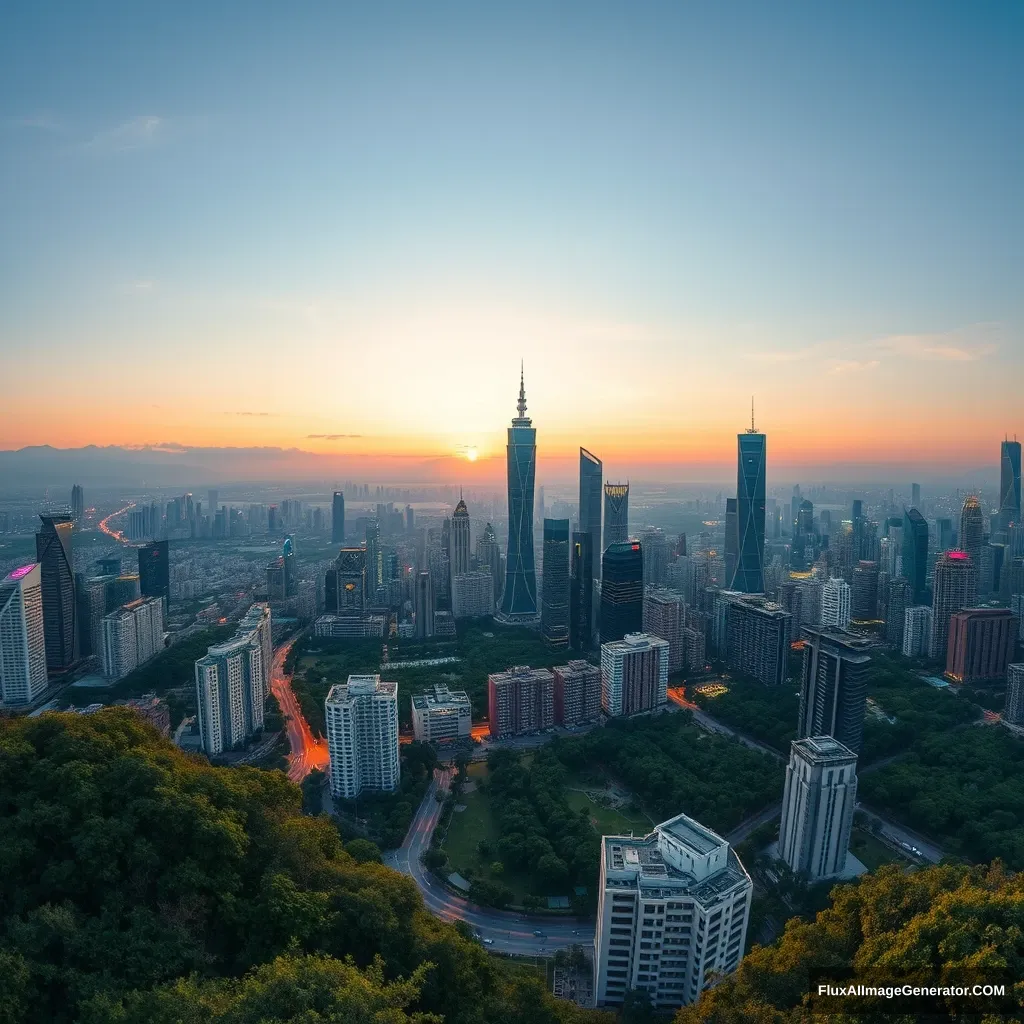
(362, 736)
(616, 515)
(577, 693)
(835, 603)
(898, 597)
(634, 675)
(581, 593)
(665, 616)
(753, 635)
(555, 583)
(972, 529)
(22, 638)
(472, 594)
(441, 715)
(833, 686)
(338, 518)
(591, 489)
(914, 556)
(955, 586)
(1009, 485)
(520, 700)
(459, 544)
(1013, 712)
(132, 634)
(917, 631)
(622, 591)
(423, 605)
(981, 645)
(750, 506)
(56, 567)
(155, 571)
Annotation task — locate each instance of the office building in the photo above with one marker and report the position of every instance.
(1009, 485)
(577, 693)
(473, 594)
(591, 476)
(340, 627)
(954, 587)
(520, 700)
(972, 529)
(581, 593)
(555, 583)
(132, 635)
(981, 644)
(277, 580)
(423, 605)
(441, 715)
(78, 499)
(750, 501)
(914, 557)
(622, 591)
(732, 539)
(616, 515)
(56, 567)
(362, 736)
(895, 610)
(349, 583)
(634, 675)
(338, 518)
(835, 603)
(1013, 712)
(864, 591)
(459, 543)
(155, 571)
(752, 634)
(833, 686)
(672, 914)
(654, 544)
(915, 495)
(665, 616)
(917, 631)
(488, 556)
(519, 596)
(22, 637)
(817, 807)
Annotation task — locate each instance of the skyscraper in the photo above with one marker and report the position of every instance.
(833, 686)
(581, 592)
(459, 554)
(1009, 484)
(155, 571)
(350, 581)
(22, 642)
(915, 553)
(489, 554)
(665, 616)
(917, 631)
(750, 500)
(732, 539)
(56, 564)
(590, 506)
(423, 605)
(915, 495)
(338, 518)
(555, 583)
(864, 591)
(897, 602)
(519, 598)
(362, 736)
(78, 498)
(955, 586)
(616, 514)
(229, 693)
(835, 603)
(634, 675)
(972, 529)
(622, 591)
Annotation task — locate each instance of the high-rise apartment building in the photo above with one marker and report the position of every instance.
(914, 557)
(519, 597)
(132, 634)
(472, 594)
(155, 571)
(581, 592)
(440, 715)
(833, 686)
(752, 634)
(577, 693)
(1013, 711)
(835, 603)
(634, 675)
(520, 700)
(817, 807)
(22, 639)
(423, 605)
(56, 567)
(591, 492)
(555, 583)
(616, 515)
(672, 913)
(338, 518)
(78, 501)
(972, 529)
(981, 644)
(750, 504)
(694, 643)
(895, 610)
(362, 736)
(1009, 485)
(622, 591)
(954, 587)
(665, 616)
(917, 631)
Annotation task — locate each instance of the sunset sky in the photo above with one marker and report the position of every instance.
(340, 227)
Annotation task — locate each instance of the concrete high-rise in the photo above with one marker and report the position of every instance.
(665, 616)
(520, 700)
(338, 518)
(864, 591)
(577, 693)
(132, 634)
(581, 593)
(441, 715)
(22, 640)
(374, 568)
(672, 914)
(1009, 484)
(833, 686)
(1013, 712)
(622, 591)
(555, 583)
(750, 504)
(423, 605)
(895, 610)
(56, 566)
(835, 603)
(972, 529)
(459, 544)
(229, 693)
(591, 489)
(817, 807)
(955, 586)
(519, 597)
(634, 675)
(917, 631)
(914, 556)
(616, 515)
(472, 595)
(362, 736)
(981, 645)
(78, 500)
(753, 635)
(155, 571)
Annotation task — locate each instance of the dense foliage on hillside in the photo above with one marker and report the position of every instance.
(673, 766)
(949, 925)
(135, 881)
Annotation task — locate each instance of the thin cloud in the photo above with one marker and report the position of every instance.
(43, 122)
(330, 437)
(249, 414)
(141, 132)
(967, 345)
(854, 365)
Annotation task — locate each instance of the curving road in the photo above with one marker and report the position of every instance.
(501, 931)
(117, 535)
(307, 752)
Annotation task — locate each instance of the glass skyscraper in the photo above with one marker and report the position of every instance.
(581, 592)
(915, 552)
(622, 591)
(750, 501)
(591, 472)
(1009, 484)
(338, 518)
(616, 514)
(53, 552)
(519, 598)
(555, 583)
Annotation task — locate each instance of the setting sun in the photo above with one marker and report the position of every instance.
(471, 454)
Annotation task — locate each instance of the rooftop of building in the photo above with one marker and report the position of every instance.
(360, 686)
(519, 672)
(855, 644)
(440, 697)
(633, 642)
(20, 573)
(823, 750)
(755, 602)
(577, 666)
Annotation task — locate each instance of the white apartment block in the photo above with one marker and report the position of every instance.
(472, 595)
(132, 634)
(817, 808)
(672, 913)
(634, 674)
(362, 736)
(835, 603)
(22, 644)
(917, 631)
(441, 715)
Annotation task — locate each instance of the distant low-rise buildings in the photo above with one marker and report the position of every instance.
(362, 736)
(441, 715)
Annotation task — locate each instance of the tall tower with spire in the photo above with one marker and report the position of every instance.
(748, 576)
(519, 598)
(460, 539)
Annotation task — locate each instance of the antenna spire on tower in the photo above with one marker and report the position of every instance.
(753, 429)
(521, 405)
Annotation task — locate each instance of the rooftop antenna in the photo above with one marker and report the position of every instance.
(753, 429)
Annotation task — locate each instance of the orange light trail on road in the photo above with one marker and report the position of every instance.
(115, 534)
(307, 752)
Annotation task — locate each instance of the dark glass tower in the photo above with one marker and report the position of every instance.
(78, 496)
(732, 538)
(554, 618)
(1009, 484)
(915, 553)
(622, 591)
(581, 592)
(519, 598)
(750, 501)
(338, 518)
(591, 472)
(155, 571)
(53, 552)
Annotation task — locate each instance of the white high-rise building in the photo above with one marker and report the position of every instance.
(817, 808)
(917, 630)
(22, 644)
(634, 674)
(835, 603)
(362, 736)
(441, 715)
(132, 634)
(672, 913)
